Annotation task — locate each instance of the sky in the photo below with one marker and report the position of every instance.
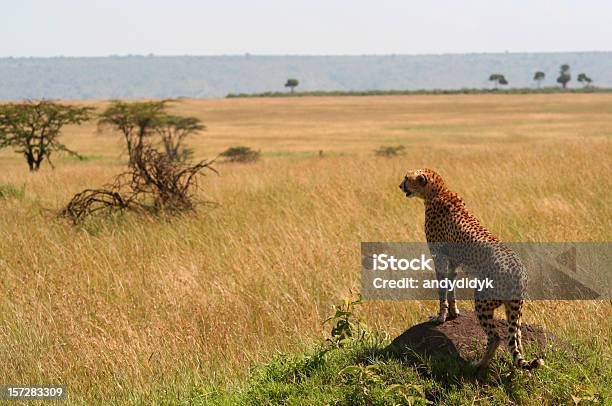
(297, 27)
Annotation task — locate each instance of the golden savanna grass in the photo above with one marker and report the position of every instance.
(133, 308)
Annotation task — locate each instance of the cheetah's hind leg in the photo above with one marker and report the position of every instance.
(485, 310)
(513, 316)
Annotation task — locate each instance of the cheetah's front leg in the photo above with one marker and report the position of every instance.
(441, 266)
(453, 310)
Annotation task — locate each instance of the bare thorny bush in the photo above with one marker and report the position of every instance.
(154, 183)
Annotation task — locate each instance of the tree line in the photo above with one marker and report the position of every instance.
(563, 79)
(499, 79)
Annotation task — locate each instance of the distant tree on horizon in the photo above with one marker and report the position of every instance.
(564, 75)
(292, 84)
(498, 79)
(539, 76)
(584, 79)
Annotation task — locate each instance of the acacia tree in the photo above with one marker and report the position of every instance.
(539, 76)
(564, 75)
(498, 79)
(135, 121)
(173, 130)
(32, 128)
(584, 79)
(292, 84)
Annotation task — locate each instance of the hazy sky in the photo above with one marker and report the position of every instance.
(178, 27)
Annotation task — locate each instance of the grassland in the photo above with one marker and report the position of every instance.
(145, 310)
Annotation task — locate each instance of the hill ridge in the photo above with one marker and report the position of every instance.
(138, 76)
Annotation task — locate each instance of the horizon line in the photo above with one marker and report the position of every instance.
(248, 54)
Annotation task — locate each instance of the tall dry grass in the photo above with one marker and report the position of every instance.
(135, 308)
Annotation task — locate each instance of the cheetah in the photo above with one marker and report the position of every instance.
(457, 239)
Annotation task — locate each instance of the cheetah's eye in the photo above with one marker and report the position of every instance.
(422, 180)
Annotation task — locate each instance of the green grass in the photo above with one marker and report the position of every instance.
(365, 372)
(359, 366)
(10, 191)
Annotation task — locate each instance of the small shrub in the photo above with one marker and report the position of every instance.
(154, 182)
(241, 154)
(8, 191)
(390, 151)
(346, 325)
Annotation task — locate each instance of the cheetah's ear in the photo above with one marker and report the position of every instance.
(422, 180)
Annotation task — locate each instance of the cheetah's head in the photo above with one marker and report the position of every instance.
(423, 183)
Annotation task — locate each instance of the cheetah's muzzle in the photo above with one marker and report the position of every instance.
(402, 186)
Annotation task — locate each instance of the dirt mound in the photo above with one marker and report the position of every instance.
(461, 337)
